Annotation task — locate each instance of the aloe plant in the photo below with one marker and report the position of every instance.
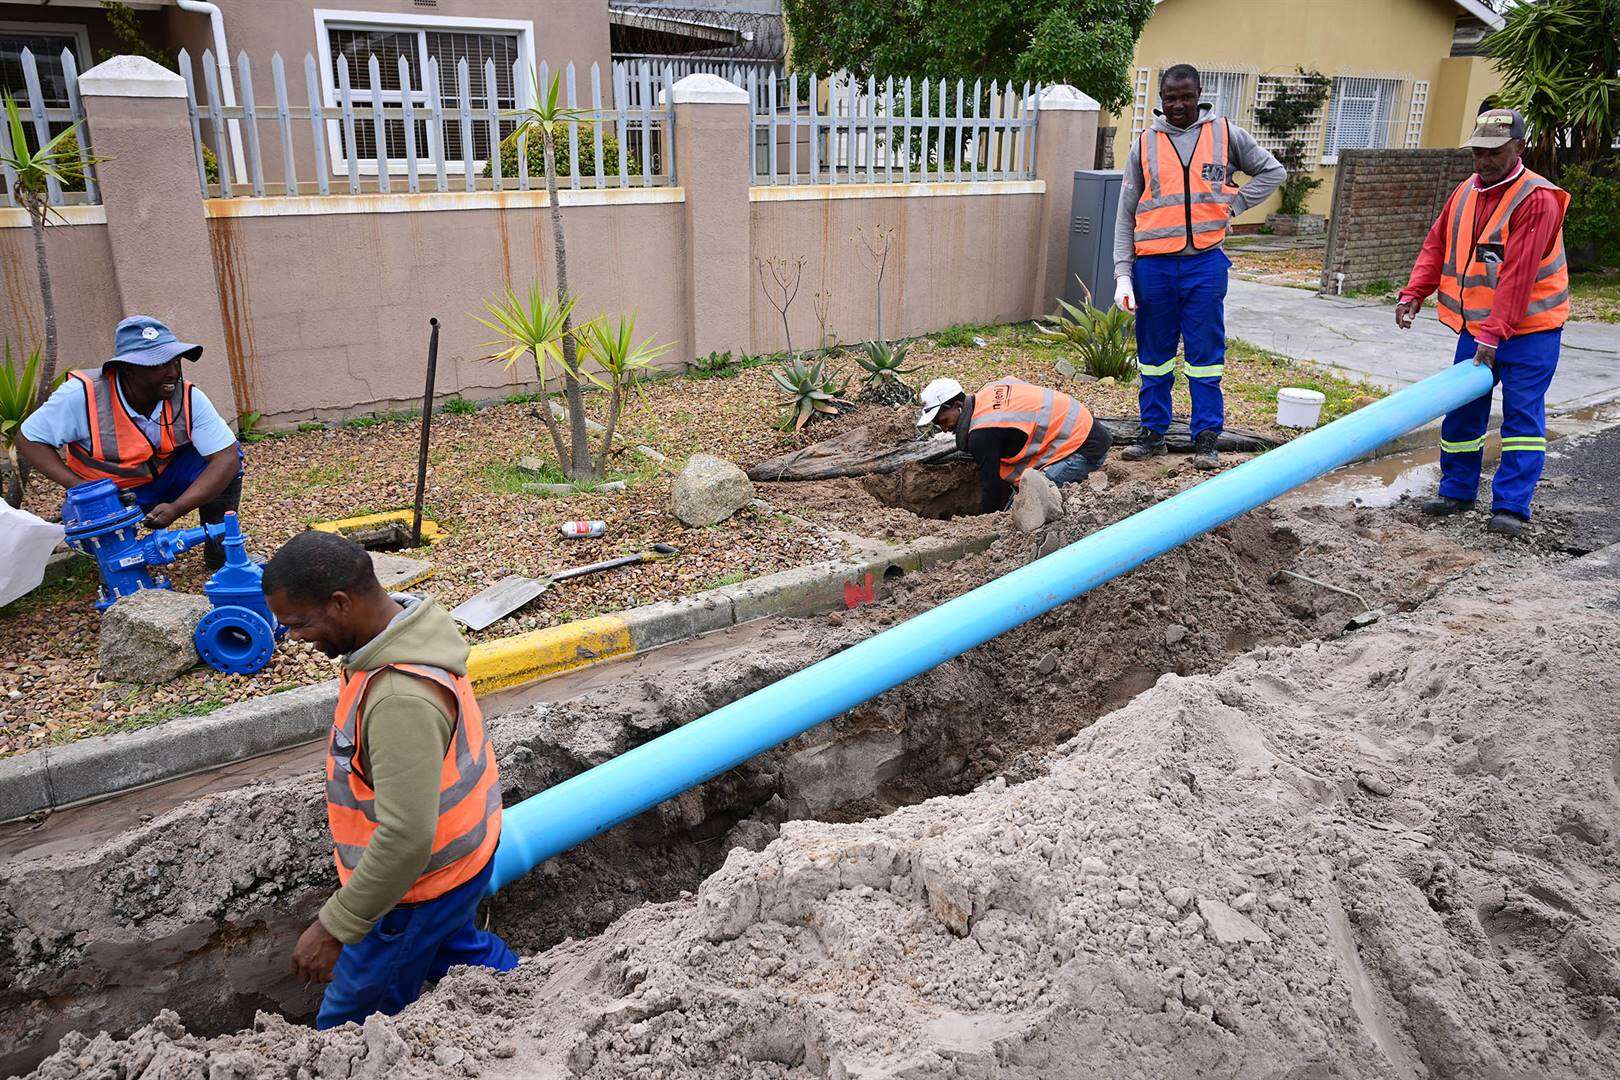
(811, 391)
(884, 364)
(19, 394)
(1103, 340)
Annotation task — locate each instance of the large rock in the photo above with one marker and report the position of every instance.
(710, 490)
(146, 638)
(1037, 502)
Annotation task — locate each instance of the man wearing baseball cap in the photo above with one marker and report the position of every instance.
(1010, 427)
(1496, 258)
(138, 422)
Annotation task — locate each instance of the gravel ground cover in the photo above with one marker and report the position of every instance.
(1297, 267)
(51, 691)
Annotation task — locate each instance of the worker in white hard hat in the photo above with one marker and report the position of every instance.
(1010, 427)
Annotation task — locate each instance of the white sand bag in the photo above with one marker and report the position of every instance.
(25, 543)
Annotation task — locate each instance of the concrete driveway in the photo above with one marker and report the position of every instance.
(1360, 338)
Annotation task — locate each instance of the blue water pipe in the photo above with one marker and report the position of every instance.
(592, 802)
(238, 636)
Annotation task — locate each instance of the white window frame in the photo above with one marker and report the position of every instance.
(78, 33)
(331, 18)
(1333, 114)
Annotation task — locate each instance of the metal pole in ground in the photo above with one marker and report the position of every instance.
(427, 425)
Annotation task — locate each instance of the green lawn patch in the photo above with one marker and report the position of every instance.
(1267, 372)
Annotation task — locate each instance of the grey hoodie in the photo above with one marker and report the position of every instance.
(1244, 155)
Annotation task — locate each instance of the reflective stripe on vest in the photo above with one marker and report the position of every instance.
(1468, 277)
(1054, 424)
(1183, 205)
(469, 788)
(118, 450)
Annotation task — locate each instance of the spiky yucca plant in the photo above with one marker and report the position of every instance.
(811, 391)
(884, 364)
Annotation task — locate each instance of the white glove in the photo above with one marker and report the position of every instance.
(1124, 294)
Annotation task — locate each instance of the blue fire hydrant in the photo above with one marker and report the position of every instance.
(238, 636)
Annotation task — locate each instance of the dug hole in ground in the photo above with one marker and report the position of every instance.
(1184, 826)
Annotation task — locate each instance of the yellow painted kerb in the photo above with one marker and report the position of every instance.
(431, 532)
(540, 654)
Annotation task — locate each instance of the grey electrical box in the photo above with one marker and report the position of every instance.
(1091, 236)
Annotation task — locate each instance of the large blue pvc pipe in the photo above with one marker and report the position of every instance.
(592, 802)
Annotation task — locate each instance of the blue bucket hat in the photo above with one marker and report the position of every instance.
(144, 342)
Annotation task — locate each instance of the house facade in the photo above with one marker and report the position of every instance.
(1405, 73)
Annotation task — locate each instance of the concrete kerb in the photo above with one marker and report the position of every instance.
(107, 765)
(95, 768)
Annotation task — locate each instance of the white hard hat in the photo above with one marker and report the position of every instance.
(935, 395)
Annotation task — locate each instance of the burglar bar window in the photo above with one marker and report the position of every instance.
(355, 45)
(1361, 115)
(47, 47)
(1224, 90)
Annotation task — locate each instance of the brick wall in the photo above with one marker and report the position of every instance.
(1383, 204)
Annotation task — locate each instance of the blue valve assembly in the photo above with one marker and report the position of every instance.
(238, 636)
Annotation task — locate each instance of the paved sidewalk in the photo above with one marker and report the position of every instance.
(1360, 338)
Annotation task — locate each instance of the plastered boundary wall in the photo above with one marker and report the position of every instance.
(318, 308)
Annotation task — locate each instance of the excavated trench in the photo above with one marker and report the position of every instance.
(197, 910)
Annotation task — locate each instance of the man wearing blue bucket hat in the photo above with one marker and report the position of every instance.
(138, 422)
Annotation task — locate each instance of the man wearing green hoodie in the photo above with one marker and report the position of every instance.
(412, 789)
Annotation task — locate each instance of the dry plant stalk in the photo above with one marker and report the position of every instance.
(873, 245)
(785, 277)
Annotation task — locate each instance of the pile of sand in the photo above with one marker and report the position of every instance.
(1392, 854)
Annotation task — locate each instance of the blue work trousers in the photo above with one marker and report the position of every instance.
(1181, 299)
(412, 945)
(178, 475)
(1524, 367)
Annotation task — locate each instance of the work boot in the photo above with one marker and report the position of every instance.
(1507, 524)
(1148, 444)
(1204, 455)
(1442, 506)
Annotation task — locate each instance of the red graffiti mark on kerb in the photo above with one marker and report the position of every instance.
(857, 593)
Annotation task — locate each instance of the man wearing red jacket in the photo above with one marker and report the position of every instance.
(1496, 257)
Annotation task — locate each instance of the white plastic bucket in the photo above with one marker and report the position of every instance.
(1298, 408)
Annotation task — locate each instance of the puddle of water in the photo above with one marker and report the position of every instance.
(1379, 483)
(1385, 481)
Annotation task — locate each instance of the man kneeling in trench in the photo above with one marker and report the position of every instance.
(413, 794)
(1010, 427)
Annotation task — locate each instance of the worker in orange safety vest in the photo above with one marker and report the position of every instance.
(1495, 256)
(138, 422)
(1010, 427)
(413, 793)
(1176, 197)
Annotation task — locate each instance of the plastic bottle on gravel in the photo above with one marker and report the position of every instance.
(582, 530)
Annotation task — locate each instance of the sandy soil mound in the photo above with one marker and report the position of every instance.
(1392, 854)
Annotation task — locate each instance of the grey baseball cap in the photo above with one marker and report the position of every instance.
(1496, 127)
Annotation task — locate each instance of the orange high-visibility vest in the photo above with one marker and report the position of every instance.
(1187, 204)
(1054, 424)
(117, 449)
(1469, 271)
(469, 788)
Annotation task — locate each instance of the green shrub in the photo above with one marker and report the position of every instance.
(1105, 341)
(459, 406)
(1592, 226)
(956, 337)
(587, 154)
(717, 365)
